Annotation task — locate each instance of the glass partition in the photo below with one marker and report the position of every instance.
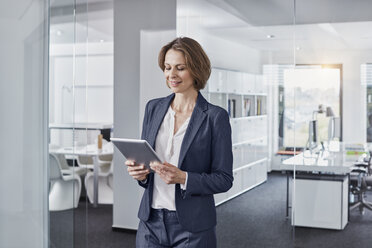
(333, 50)
(294, 77)
(23, 94)
(65, 182)
(250, 52)
(81, 116)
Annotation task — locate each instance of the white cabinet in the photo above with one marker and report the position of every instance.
(321, 201)
(244, 96)
(217, 81)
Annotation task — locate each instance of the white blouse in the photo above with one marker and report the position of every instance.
(168, 147)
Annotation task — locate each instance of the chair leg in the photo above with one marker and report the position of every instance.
(367, 205)
(355, 205)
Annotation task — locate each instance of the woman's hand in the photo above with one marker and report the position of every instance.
(137, 171)
(169, 173)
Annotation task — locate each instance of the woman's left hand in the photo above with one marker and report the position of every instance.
(169, 173)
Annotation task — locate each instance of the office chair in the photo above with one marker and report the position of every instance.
(105, 176)
(360, 183)
(65, 190)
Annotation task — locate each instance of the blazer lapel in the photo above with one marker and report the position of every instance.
(158, 117)
(196, 120)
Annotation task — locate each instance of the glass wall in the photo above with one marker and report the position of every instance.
(80, 119)
(332, 195)
(243, 40)
(294, 77)
(23, 94)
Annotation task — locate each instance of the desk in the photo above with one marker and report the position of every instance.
(321, 189)
(105, 128)
(84, 151)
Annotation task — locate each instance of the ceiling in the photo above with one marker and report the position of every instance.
(269, 24)
(93, 21)
(320, 24)
(281, 12)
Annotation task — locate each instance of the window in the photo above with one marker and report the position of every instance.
(305, 88)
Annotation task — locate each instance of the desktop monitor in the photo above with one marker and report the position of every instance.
(313, 134)
(334, 128)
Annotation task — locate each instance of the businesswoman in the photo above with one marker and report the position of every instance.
(193, 137)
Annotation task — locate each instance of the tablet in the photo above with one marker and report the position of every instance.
(137, 150)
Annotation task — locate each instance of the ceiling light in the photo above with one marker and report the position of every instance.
(59, 32)
(298, 48)
(270, 36)
(101, 41)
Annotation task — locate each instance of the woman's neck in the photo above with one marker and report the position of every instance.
(183, 102)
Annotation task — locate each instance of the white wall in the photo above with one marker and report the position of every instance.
(152, 81)
(23, 111)
(130, 18)
(82, 83)
(354, 94)
(222, 53)
(81, 87)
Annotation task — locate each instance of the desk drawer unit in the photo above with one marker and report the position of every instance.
(320, 201)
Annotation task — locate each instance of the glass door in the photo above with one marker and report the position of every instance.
(330, 102)
(80, 120)
(65, 181)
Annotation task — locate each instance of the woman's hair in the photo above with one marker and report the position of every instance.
(197, 61)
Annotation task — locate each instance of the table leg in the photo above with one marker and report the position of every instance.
(287, 201)
(95, 182)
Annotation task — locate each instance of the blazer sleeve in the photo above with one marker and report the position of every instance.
(220, 178)
(145, 124)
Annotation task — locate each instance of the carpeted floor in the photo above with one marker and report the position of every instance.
(254, 219)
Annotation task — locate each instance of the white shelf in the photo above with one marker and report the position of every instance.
(250, 164)
(251, 117)
(249, 141)
(238, 94)
(243, 93)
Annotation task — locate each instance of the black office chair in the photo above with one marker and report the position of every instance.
(360, 183)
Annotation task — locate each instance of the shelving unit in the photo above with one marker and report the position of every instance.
(244, 96)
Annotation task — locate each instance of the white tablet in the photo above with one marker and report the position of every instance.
(137, 150)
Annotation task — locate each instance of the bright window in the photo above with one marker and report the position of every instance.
(305, 88)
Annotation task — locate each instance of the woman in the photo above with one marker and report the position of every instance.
(194, 138)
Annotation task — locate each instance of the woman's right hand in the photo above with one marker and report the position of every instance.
(137, 171)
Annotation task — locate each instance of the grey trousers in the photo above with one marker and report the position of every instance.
(163, 230)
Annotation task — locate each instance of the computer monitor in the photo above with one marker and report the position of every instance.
(313, 134)
(334, 128)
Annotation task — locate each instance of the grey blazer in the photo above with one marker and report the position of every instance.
(206, 155)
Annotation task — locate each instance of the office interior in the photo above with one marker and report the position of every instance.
(295, 77)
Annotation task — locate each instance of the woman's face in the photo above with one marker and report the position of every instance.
(176, 73)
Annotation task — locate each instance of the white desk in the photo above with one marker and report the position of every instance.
(84, 151)
(324, 162)
(320, 196)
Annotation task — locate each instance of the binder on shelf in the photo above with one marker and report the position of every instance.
(234, 107)
(258, 106)
(231, 108)
(247, 107)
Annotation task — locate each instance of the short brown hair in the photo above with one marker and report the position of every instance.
(197, 61)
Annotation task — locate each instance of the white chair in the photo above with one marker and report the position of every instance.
(66, 169)
(86, 161)
(64, 192)
(70, 170)
(105, 178)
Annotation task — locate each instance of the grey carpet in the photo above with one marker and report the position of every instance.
(254, 219)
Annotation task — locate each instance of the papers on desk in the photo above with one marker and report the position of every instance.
(355, 149)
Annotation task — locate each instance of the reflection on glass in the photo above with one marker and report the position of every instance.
(80, 116)
(305, 89)
(340, 39)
